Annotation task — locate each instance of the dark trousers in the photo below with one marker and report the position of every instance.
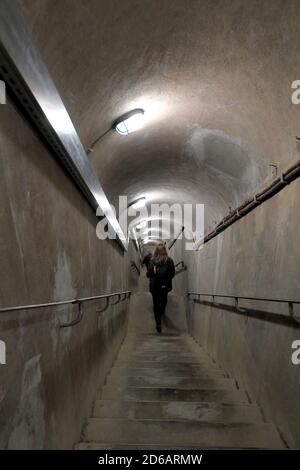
(160, 299)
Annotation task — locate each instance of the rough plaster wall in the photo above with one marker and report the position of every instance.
(179, 281)
(257, 256)
(213, 76)
(49, 251)
(133, 256)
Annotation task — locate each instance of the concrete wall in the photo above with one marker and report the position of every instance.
(177, 298)
(49, 251)
(257, 256)
(133, 257)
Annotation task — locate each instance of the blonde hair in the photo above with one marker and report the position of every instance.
(160, 253)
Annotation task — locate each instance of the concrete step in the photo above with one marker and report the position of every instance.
(177, 410)
(116, 446)
(164, 351)
(156, 339)
(178, 370)
(141, 362)
(138, 337)
(234, 435)
(173, 394)
(183, 346)
(185, 383)
(160, 344)
(159, 341)
(156, 351)
(164, 357)
(123, 362)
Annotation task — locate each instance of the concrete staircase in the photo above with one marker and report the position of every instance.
(164, 392)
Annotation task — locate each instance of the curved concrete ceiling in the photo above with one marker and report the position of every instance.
(214, 78)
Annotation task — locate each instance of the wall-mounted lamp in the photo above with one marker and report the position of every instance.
(149, 240)
(142, 224)
(138, 203)
(123, 125)
(129, 122)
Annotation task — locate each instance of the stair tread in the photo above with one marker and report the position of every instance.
(183, 346)
(124, 446)
(192, 433)
(179, 410)
(165, 392)
(178, 371)
(164, 359)
(164, 365)
(159, 354)
(171, 394)
(170, 382)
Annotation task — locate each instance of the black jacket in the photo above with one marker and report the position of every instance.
(147, 260)
(157, 282)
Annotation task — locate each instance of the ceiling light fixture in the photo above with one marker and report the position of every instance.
(124, 125)
(149, 231)
(146, 240)
(138, 203)
(129, 122)
(142, 224)
(150, 239)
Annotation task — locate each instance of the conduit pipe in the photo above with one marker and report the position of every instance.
(275, 187)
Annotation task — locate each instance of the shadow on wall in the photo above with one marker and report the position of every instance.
(234, 170)
(272, 317)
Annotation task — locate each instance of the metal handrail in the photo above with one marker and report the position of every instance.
(290, 303)
(176, 238)
(35, 92)
(291, 174)
(78, 302)
(180, 263)
(182, 267)
(135, 266)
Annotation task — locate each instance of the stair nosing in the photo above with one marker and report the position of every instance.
(203, 423)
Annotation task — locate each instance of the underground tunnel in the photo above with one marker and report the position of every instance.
(135, 135)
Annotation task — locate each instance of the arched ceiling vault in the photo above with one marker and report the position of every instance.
(214, 78)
